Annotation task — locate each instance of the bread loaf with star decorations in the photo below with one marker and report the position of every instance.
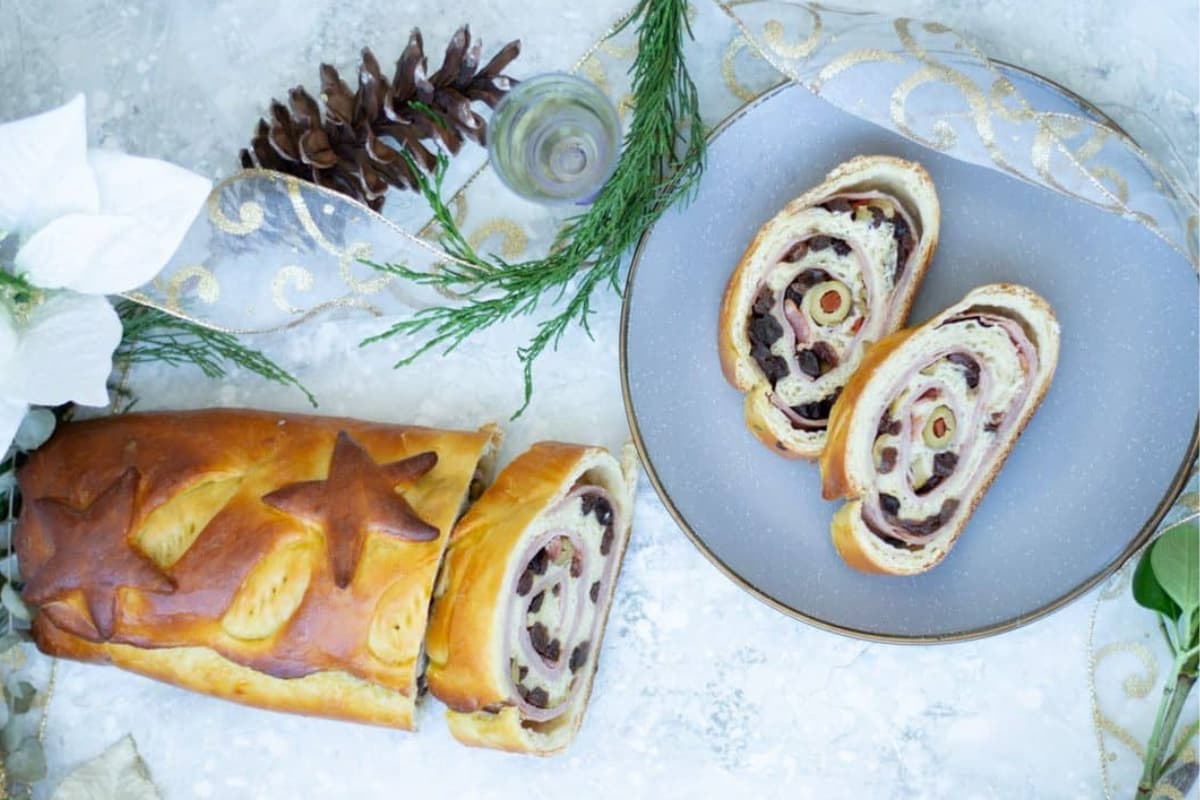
(278, 560)
(835, 270)
(520, 609)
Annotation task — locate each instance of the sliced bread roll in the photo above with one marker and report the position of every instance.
(835, 270)
(524, 594)
(922, 428)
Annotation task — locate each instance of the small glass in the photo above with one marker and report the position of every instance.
(554, 139)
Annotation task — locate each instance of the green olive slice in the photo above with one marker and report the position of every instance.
(828, 302)
(939, 427)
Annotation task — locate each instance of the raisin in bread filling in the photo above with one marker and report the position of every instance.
(938, 432)
(831, 290)
(555, 614)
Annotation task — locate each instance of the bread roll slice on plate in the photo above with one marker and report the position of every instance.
(924, 425)
(835, 270)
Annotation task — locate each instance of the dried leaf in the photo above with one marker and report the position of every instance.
(13, 603)
(116, 774)
(26, 763)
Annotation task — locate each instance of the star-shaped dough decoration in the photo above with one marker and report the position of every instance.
(92, 555)
(357, 497)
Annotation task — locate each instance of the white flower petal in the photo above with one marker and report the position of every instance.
(163, 198)
(65, 354)
(80, 252)
(11, 413)
(44, 168)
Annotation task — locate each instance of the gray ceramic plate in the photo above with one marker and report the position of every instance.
(1079, 492)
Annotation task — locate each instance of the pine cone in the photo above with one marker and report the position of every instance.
(356, 148)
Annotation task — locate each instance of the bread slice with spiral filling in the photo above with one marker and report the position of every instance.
(524, 593)
(833, 271)
(923, 427)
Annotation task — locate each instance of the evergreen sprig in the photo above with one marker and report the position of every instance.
(150, 335)
(662, 159)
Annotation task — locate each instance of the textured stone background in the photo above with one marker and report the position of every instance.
(702, 691)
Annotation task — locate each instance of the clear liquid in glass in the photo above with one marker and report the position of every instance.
(554, 139)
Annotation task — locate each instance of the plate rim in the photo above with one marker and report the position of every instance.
(1176, 485)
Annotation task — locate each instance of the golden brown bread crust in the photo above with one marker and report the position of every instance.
(331, 694)
(762, 418)
(468, 632)
(254, 612)
(839, 479)
(842, 531)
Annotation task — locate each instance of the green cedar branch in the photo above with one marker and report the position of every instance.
(662, 159)
(150, 335)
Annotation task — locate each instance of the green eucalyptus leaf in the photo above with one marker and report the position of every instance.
(27, 763)
(4, 714)
(1148, 592)
(13, 602)
(1175, 558)
(22, 696)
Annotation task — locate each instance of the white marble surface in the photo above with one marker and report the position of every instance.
(703, 691)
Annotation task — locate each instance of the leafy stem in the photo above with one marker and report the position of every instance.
(661, 161)
(1167, 581)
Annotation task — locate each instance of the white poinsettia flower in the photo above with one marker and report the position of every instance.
(90, 223)
(96, 221)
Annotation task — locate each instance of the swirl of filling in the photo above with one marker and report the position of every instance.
(834, 286)
(953, 408)
(555, 613)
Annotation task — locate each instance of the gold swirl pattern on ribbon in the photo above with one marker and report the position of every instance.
(593, 70)
(852, 59)
(347, 258)
(857, 38)
(250, 214)
(775, 36)
(1003, 89)
(297, 278)
(513, 240)
(208, 289)
(729, 73)
(936, 71)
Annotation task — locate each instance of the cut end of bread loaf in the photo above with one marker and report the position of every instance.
(546, 539)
